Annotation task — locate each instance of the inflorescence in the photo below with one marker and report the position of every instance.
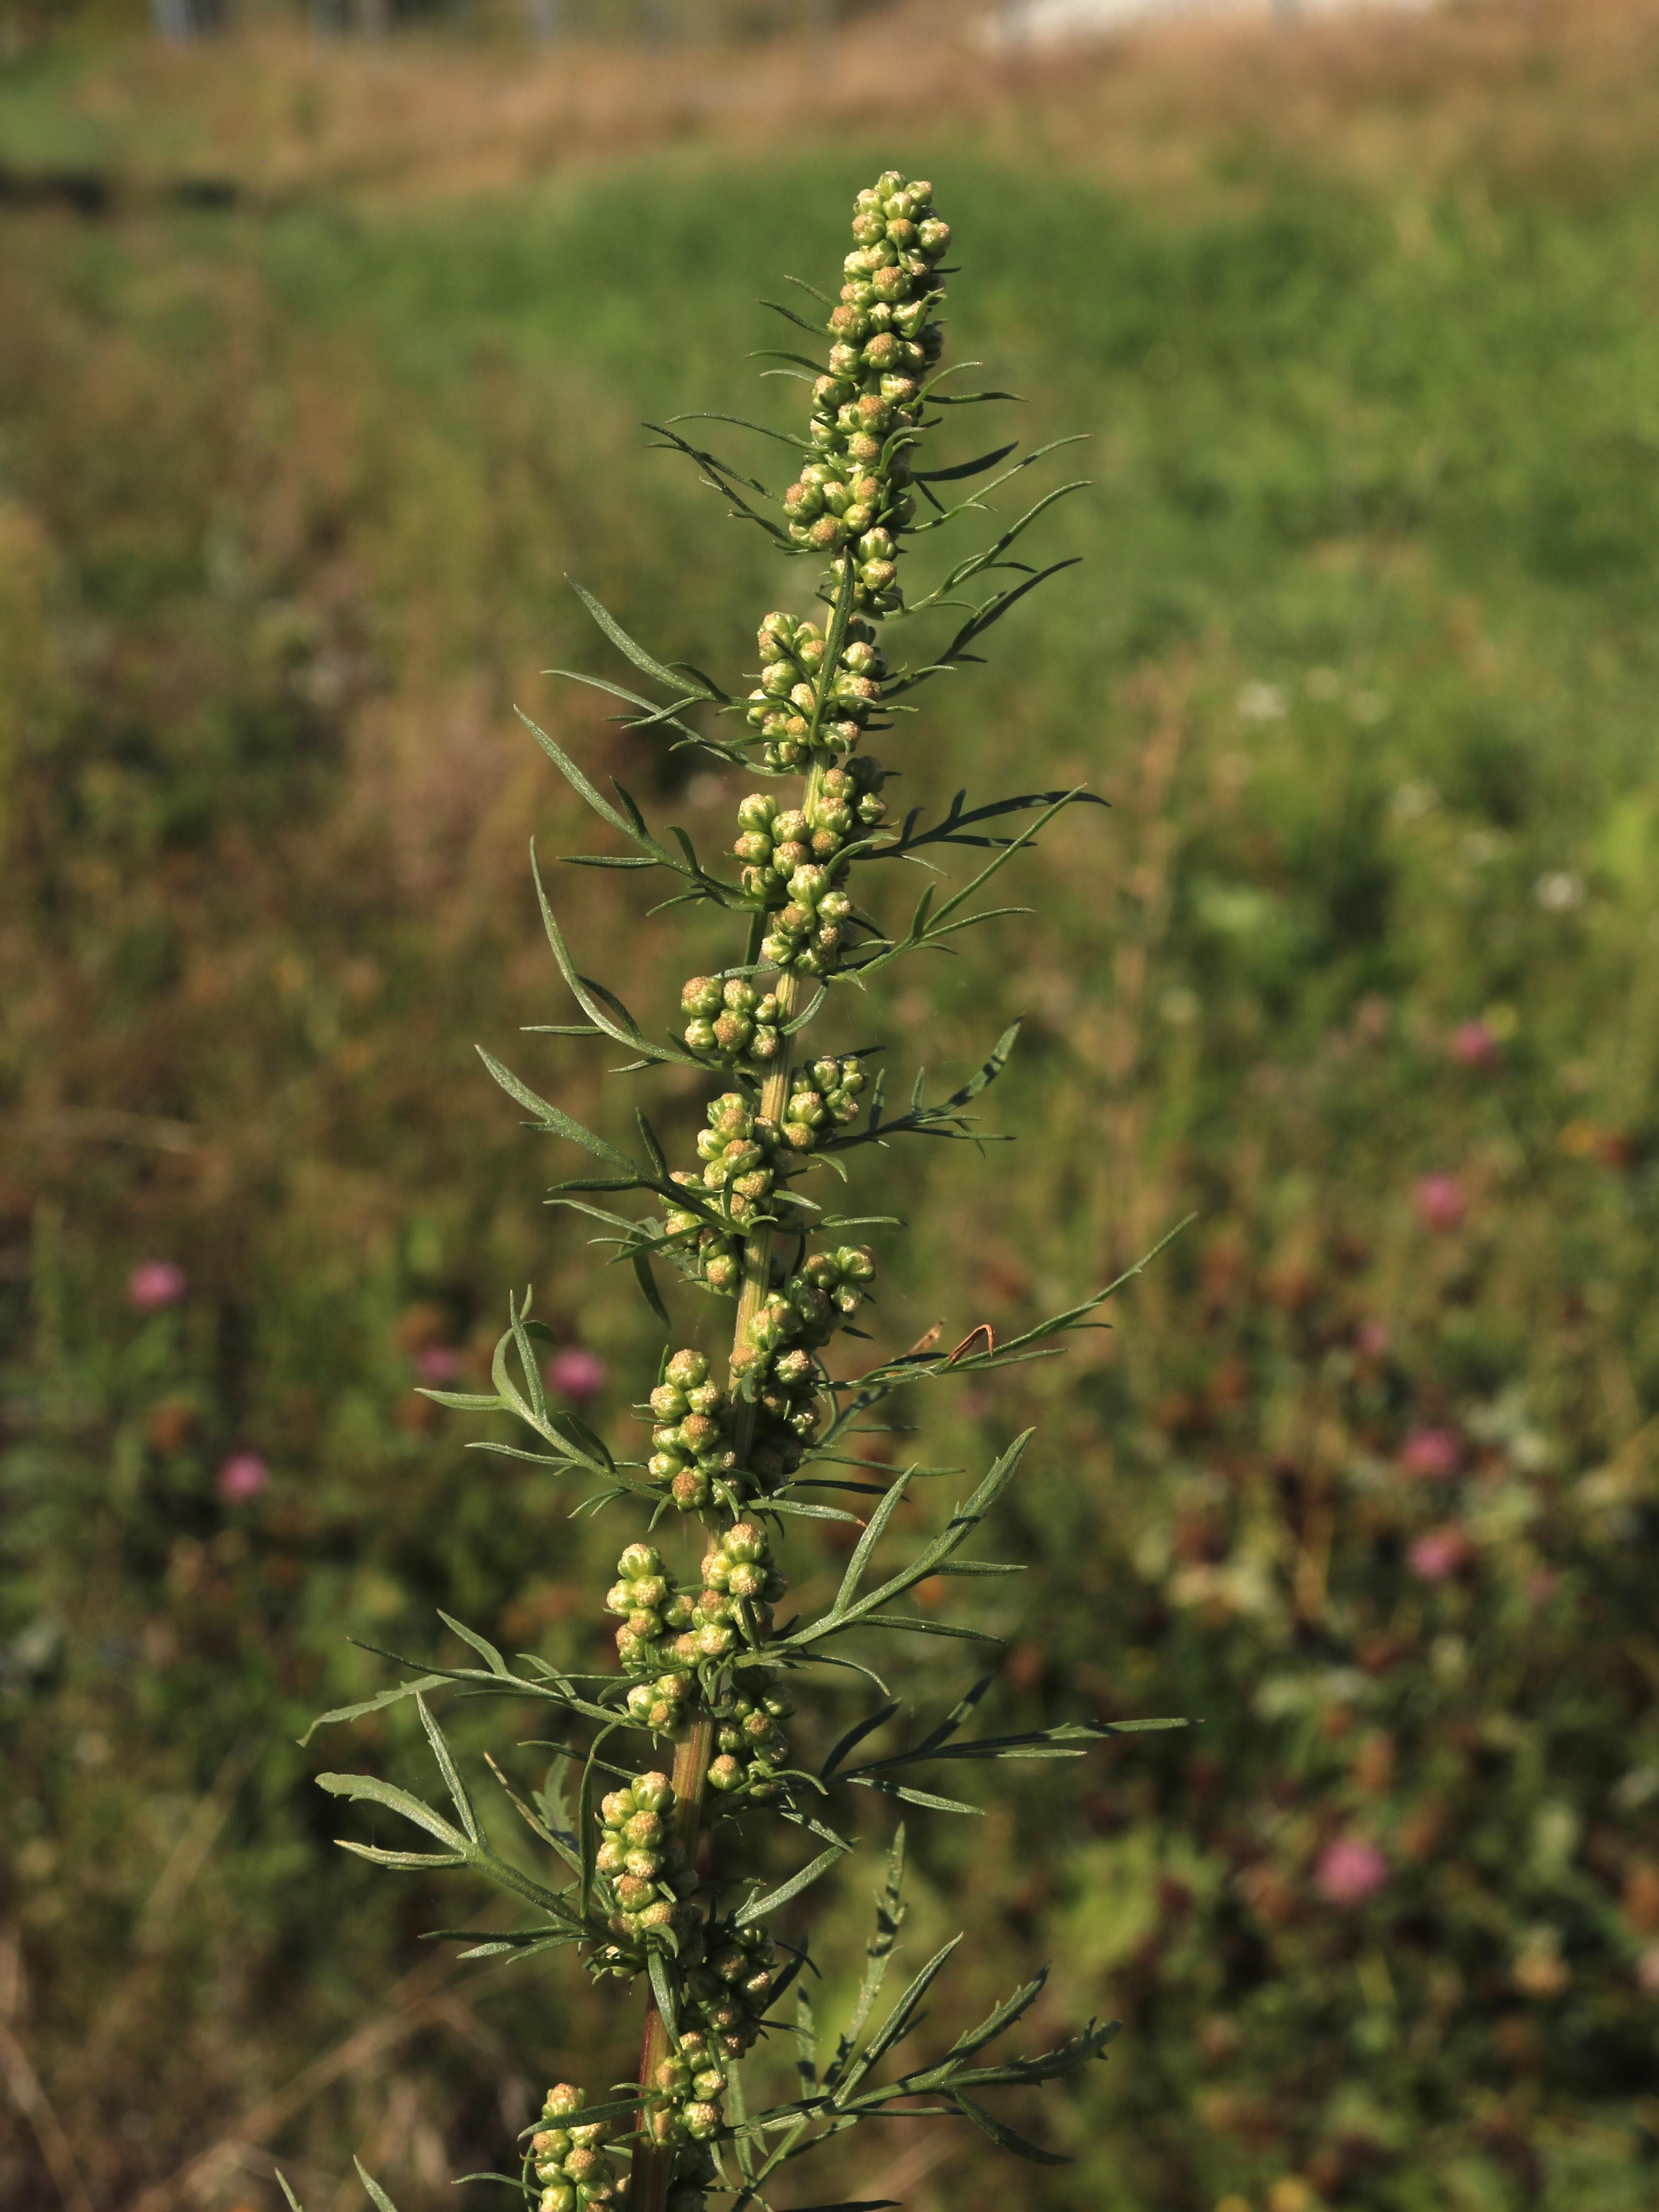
(705, 1671)
(720, 1450)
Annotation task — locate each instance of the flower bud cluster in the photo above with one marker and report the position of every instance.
(729, 1990)
(712, 1254)
(677, 1646)
(777, 1368)
(726, 1998)
(691, 2089)
(654, 1617)
(822, 1096)
(736, 1150)
(639, 1855)
(809, 930)
(752, 1750)
(741, 1585)
(568, 2158)
(775, 841)
(786, 708)
(852, 499)
(694, 2176)
(691, 1446)
(731, 1022)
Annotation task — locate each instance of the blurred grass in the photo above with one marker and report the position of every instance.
(1363, 656)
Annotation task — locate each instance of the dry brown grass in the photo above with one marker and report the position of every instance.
(1564, 89)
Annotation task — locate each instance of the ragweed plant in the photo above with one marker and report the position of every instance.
(709, 1672)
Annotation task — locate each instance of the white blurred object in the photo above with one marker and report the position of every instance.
(1053, 22)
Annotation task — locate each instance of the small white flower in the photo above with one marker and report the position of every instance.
(1559, 892)
(1368, 706)
(1412, 801)
(1262, 703)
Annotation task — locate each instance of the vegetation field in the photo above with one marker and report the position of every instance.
(1360, 971)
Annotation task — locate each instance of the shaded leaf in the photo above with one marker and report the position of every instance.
(758, 1907)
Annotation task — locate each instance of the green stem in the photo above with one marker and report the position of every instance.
(653, 2167)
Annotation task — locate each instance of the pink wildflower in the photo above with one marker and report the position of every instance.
(1349, 1870)
(438, 1363)
(1438, 1555)
(243, 1475)
(1432, 1455)
(154, 1283)
(1440, 1203)
(1371, 1338)
(576, 1373)
(1473, 1044)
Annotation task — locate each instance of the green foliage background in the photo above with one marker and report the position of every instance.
(1364, 658)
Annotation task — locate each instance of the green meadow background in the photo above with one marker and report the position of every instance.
(1360, 971)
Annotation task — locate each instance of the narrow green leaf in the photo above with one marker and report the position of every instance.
(973, 468)
(788, 315)
(758, 1907)
(371, 1788)
(602, 1008)
(587, 1827)
(557, 1124)
(737, 2112)
(560, 1463)
(1000, 2019)
(1001, 860)
(1070, 1318)
(575, 779)
(867, 1543)
(889, 1918)
(854, 1736)
(1005, 2137)
(370, 1705)
(382, 2201)
(954, 1719)
(405, 1861)
(530, 1365)
(662, 1991)
(983, 1570)
(741, 421)
(481, 1645)
(806, 2041)
(565, 1845)
(1068, 2058)
(909, 1624)
(897, 2022)
(613, 628)
(589, 1446)
(647, 1290)
(450, 1771)
(927, 1799)
(654, 1151)
(525, 1946)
